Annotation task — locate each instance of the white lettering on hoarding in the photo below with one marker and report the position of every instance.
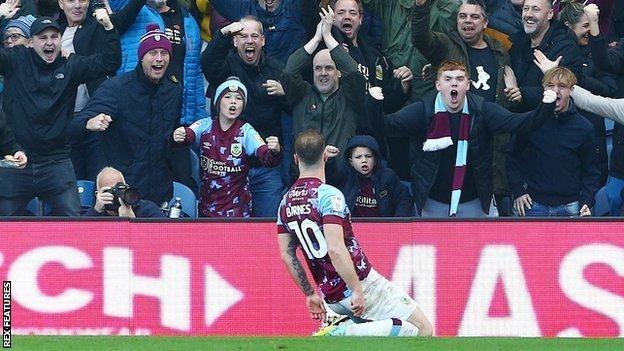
(415, 269)
(172, 288)
(24, 274)
(499, 262)
(579, 290)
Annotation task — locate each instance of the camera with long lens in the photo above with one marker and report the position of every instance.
(129, 195)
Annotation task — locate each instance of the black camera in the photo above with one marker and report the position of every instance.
(129, 195)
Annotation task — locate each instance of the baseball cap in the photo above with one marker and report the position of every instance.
(43, 23)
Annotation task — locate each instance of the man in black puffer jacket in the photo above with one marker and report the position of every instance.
(137, 112)
(552, 38)
(370, 189)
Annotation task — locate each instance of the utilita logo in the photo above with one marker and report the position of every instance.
(120, 287)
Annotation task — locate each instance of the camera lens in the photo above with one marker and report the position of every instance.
(131, 196)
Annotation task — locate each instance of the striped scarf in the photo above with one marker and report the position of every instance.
(439, 137)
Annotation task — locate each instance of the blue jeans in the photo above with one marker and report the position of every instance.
(541, 210)
(614, 195)
(53, 182)
(266, 191)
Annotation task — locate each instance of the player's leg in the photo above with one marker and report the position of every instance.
(389, 312)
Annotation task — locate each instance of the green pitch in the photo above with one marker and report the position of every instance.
(142, 343)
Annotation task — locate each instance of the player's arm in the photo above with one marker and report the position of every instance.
(341, 260)
(288, 249)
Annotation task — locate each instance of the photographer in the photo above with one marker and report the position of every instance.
(111, 192)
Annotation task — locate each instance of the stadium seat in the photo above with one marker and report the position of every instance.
(601, 208)
(187, 197)
(86, 191)
(35, 207)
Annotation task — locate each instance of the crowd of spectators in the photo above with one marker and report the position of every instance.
(432, 108)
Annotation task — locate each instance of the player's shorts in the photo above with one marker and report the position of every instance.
(382, 300)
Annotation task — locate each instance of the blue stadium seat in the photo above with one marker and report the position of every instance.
(187, 197)
(34, 207)
(86, 191)
(601, 208)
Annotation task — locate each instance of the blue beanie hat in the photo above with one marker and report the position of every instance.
(231, 84)
(22, 23)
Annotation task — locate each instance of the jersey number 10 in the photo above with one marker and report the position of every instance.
(318, 249)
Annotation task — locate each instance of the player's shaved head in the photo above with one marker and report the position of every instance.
(309, 147)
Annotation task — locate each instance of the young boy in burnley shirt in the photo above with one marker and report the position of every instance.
(370, 189)
(226, 145)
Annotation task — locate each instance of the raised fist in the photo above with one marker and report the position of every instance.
(273, 144)
(549, 97)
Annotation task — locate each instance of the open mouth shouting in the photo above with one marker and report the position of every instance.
(158, 69)
(454, 96)
(347, 28)
(49, 54)
(250, 54)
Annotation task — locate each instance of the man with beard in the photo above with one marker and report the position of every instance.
(183, 33)
(136, 113)
(451, 136)
(486, 60)
(39, 101)
(260, 73)
(548, 35)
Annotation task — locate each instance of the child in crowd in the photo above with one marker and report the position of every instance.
(226, 144)
(370, 189)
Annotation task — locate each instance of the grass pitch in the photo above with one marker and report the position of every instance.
(145, 343)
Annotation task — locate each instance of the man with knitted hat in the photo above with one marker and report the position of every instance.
(136, 113)
(17, 31)
(451, 137)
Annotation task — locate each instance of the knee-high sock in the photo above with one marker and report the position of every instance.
(384, 327)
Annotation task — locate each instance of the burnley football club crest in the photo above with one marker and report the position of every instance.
(236, 149)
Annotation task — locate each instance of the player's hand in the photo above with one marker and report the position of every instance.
(316, 307)
(376, 93)
(273, 144)
(549, 97)
(274, 87)
(20, 159)
(585, 211)
(232, 29)
(331, 151)
(179, 135)
(357, 303)
(513, 94)
(523, 202)
(103, 198)
(543, 62)
(99, 123)
(101, 15)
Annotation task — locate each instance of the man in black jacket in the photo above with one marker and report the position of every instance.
(555, 161)
(260, 73)
(452, 142)
(105, 204)
(136, 113)
(39, 101)
(554, 39)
